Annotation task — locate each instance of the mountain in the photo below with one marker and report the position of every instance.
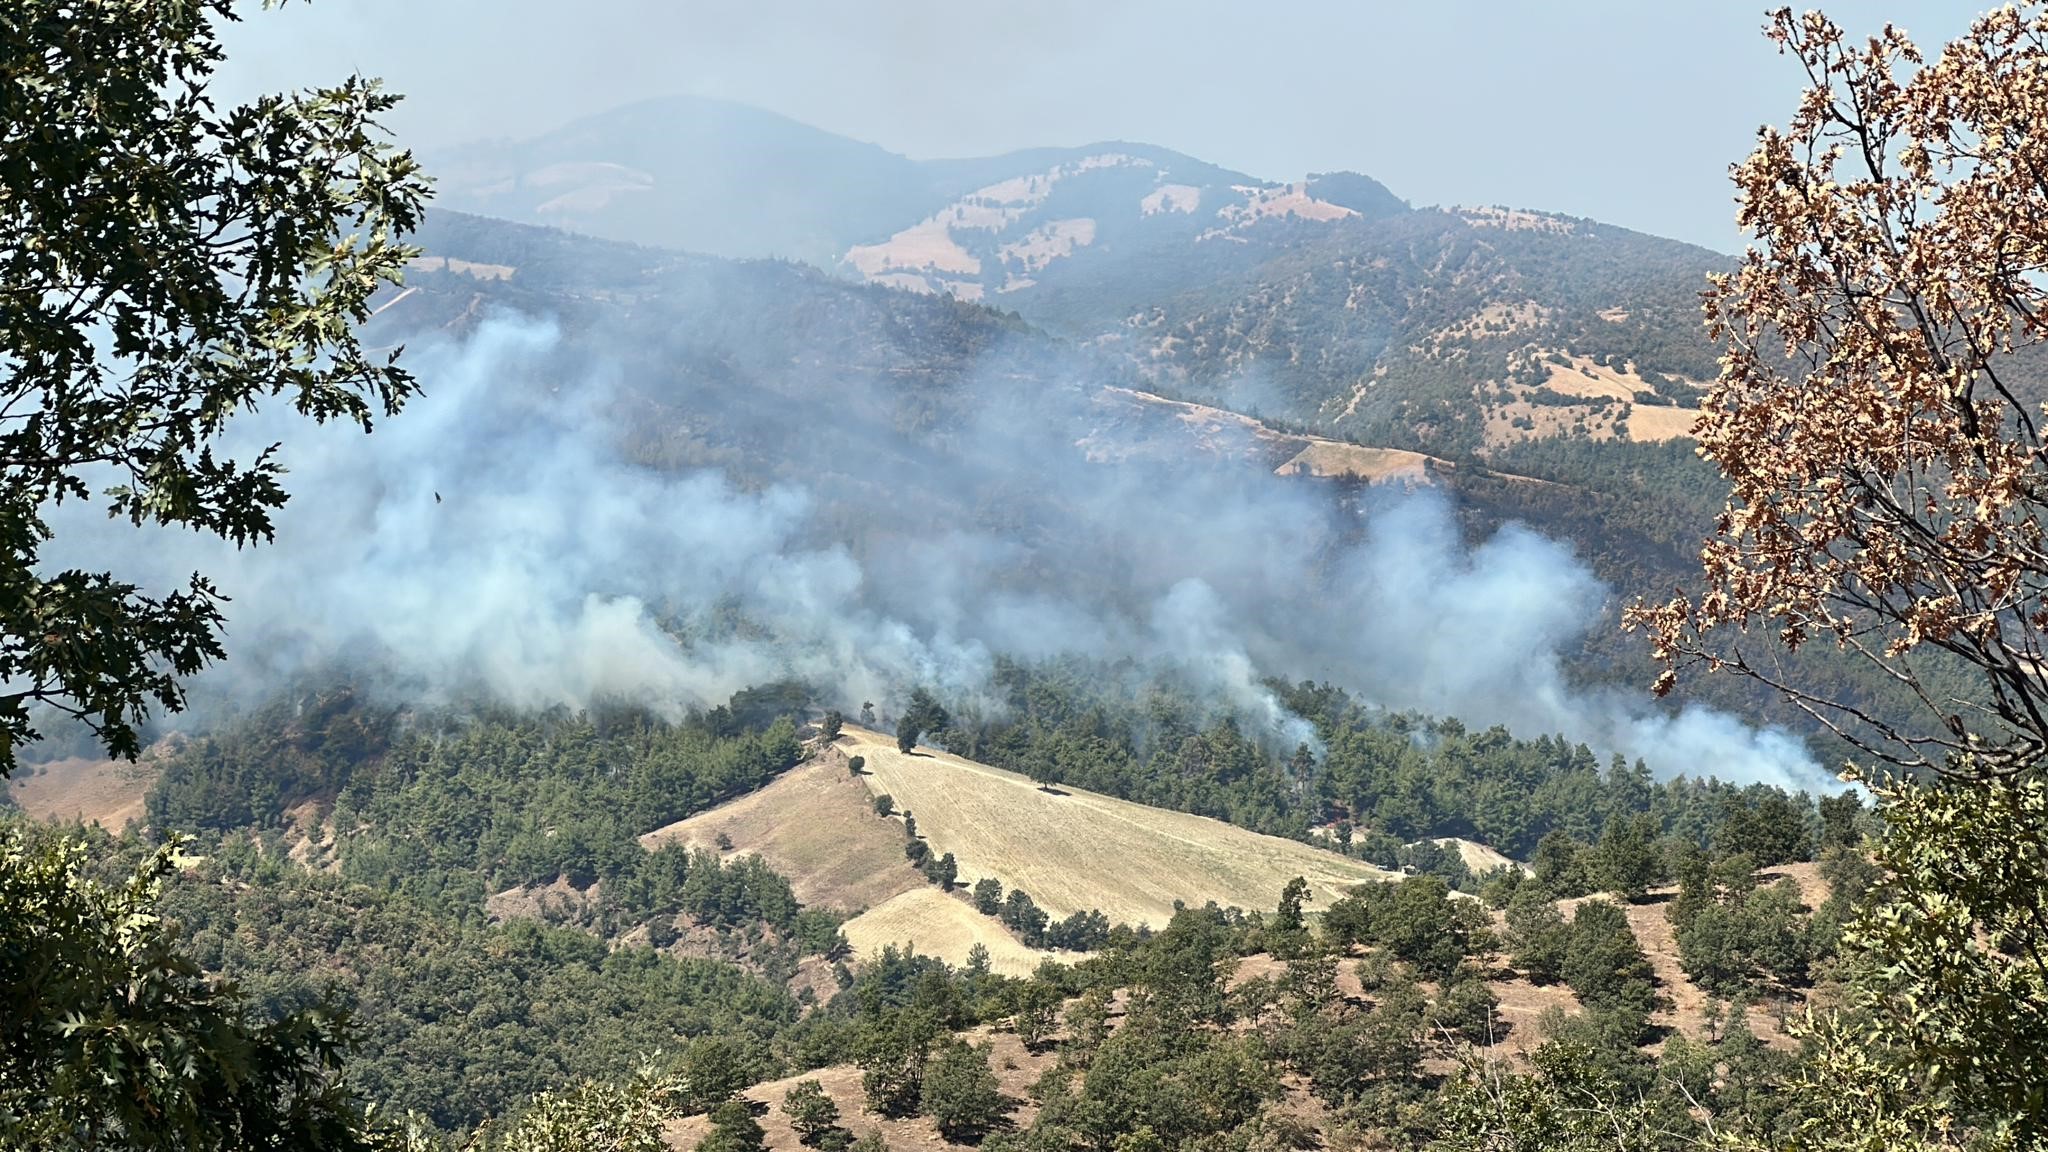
(1327, 303)
(697, 174)
(1456, 331)
(971, 461)
(732, 180)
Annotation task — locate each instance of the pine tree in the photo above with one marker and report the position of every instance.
(961, 1094)
(811, 1112)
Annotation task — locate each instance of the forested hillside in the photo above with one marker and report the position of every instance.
(1107, 654)
(360, 856)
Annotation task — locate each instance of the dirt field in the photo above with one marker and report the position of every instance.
(815, 825)
(109, 793)
(948, 927)
(1074, 850)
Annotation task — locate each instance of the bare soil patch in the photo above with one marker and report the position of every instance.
(109, 793)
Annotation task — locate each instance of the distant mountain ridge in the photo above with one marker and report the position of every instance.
(734, 180)
(1326, 303)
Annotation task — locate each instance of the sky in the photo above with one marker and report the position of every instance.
(1619, 110)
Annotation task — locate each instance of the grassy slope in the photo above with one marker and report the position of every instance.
(1074, 850)
(816, 825)
(109, 793)
(935, 923)
(813, 824)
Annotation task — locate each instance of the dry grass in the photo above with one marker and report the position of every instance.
(1514, 220)
(109, 793)
(1480, 858)
(1074, 850)
(1049, 242)
(1221, 431)
(1585, 378)
(1549, 421)
(813, 824)
(946, 926)
(1647, 423)
(1271, 203)
(927, 245)
(1650, 423)
(1644, 423)
(1687, 1008)
(1171, 198)
(1330, 458)
(1497, 318)
(469, 268)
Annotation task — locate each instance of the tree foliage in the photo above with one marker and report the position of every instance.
(960, 1093)
(1876, 411)
(591, 1116)
(111, 1038)
(167, 265)
(1876, 415)
(811, 1112)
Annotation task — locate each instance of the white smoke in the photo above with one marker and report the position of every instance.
(1478, 634)
(492, 538)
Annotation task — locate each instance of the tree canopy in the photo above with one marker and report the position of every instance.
(1877, 409)
(166, 265)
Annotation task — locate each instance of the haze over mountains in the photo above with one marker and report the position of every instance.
(646, 473)
(1326, 301)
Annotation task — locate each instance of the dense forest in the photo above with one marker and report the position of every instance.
(383, 911)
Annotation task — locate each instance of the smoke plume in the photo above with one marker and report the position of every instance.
(494, 539)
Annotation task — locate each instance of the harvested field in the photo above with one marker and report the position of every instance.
(1074, 850)
(948, 927)
(813, 824)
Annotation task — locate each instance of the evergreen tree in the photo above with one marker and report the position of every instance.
(811, 1112)
(733, 1129)
(988, 895)
(924, 717)
(1626, 862)
(715, 1069)
(891, 1053)
(1604, 964)
(1538, 936)
(961, 1093)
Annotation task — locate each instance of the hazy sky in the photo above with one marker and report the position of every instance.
(1625, 111)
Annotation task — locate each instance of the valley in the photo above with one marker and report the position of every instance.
(667, 627)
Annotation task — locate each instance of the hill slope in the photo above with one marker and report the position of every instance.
(813, 824)
(692, 173)
(1074, 851)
